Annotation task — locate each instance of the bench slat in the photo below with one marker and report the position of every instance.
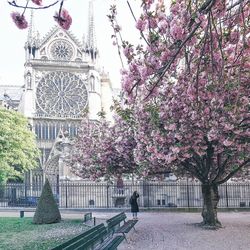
(116, 220)
(122, 214)
(78, 237)
(113, 243)
(89, 240)
(126, 227)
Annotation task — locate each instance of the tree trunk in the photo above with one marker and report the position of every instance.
(210, 201)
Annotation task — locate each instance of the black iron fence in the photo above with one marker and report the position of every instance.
(103, 195)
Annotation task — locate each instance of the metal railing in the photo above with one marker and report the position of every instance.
(82, 194)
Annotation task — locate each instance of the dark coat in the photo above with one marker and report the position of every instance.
(134, 204)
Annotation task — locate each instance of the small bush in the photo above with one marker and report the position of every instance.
(47, 210)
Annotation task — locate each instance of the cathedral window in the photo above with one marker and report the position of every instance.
(72, 130)
(41, 129)
(57, 129)
(61, 50)
(45, 130)
(61, 94)
(49, 131)
(38, 131)
(52, 132)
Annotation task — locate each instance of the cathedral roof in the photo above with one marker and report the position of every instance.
(12, 92)
(54, 30)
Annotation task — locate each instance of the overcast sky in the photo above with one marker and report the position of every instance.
(13, 40)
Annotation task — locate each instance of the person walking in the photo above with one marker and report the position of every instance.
(134, 205)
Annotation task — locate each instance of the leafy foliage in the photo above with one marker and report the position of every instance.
(18, 151)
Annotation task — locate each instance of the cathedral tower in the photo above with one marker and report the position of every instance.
(62, 82)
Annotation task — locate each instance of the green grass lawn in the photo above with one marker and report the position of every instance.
(21, 233)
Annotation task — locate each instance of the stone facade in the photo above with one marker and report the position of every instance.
(63, 82)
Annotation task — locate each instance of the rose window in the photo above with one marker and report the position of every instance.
(61, 50)
(61, 94)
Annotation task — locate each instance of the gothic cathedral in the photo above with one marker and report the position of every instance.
(62, 82)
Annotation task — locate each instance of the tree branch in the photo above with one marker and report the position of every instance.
(144, 38)
(14, 4)
(237, 3)
(234, 172)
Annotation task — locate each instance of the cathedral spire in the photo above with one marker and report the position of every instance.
(91, 47)
(91, 27)
(33, 38)
(31, 29)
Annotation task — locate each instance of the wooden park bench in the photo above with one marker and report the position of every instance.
(97, 238)
(118, 224)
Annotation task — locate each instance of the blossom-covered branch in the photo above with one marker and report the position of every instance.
(37, 2)
(62, 17)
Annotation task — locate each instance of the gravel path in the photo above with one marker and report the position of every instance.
(179, 231)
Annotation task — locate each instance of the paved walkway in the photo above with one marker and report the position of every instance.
(177, 231)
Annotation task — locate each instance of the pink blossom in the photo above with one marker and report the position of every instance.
(64, 20)
(141, 25)
(175, 150)
(176, 31)
(165, 56)
(220, 8)
(37, 2)
(234, 37)
(169, 159)
(175, 9)
(172, 127)
(127, 51)
(19, 20)
(227, 143)
(163, 25)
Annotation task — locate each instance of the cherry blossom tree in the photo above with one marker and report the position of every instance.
(85, 155)
(62, 17)
(103, 150)
(189, 84)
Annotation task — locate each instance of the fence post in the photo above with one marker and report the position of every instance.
(148, 194)
(107, 195)
(66, 193)
(188, 193)
(226, 195)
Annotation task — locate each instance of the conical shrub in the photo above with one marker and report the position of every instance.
(47, 210)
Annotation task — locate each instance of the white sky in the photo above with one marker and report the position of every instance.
(12, 39)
